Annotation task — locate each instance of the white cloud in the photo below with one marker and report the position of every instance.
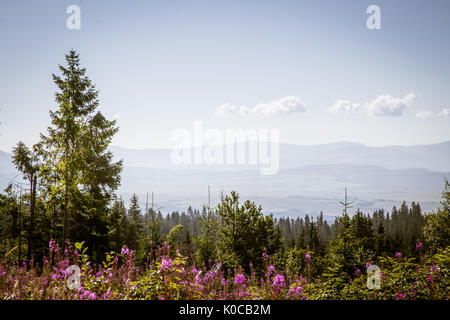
(383, 105)
(344, 106)
(117, 116)
(286, 105)
(424, 114)
(445, 113)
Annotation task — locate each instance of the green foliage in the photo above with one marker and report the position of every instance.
(28, 163)
(118, 225)
(295, 260)
(354, 244)
(437, 229)
(135, 224)
(173, 237)
(153, 226)
(206, 242)
(166, 282)
(244, 233)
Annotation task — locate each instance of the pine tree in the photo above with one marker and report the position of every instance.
(153, 229)
(380, 239)
(135, 223)
(206, 242)
(173, 237)
(437, 228)
(78, 170)
(245, 233)
(187, 246)
(301, 240)
(28, 163)
(313, 243)
(118, 225)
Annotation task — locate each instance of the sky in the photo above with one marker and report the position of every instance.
(312, 69)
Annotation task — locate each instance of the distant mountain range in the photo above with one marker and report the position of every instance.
(311, 178)
(433, 157)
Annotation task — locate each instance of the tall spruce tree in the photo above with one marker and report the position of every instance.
(80, 174)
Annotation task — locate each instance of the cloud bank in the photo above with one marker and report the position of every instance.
(424, 114)
(383, 105)
(445, 112)
(345, 106)
(282, 106)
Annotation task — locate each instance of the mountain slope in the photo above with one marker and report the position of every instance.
(432, 157)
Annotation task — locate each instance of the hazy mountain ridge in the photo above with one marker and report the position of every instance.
(433, 157)
(307, 189)
(311, 178)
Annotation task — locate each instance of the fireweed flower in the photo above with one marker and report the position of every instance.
(239, 279)
(400, 296)
(125, 250)
(307, 257)
(93, 296)
(296, 291)
(419, 246)
(434, 268)
(430, 278)
(271, 270)
(86, 293)
(166, 264)
(357, 272)
(278, 282)
(53, 246)
(398, 254)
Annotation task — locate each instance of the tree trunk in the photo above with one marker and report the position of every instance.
(33, 181)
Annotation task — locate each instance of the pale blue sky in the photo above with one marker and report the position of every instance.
(160, 65)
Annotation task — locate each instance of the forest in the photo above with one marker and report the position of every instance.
(65, 212)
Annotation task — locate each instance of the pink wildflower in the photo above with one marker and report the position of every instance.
(278, 282)
(239, 279)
